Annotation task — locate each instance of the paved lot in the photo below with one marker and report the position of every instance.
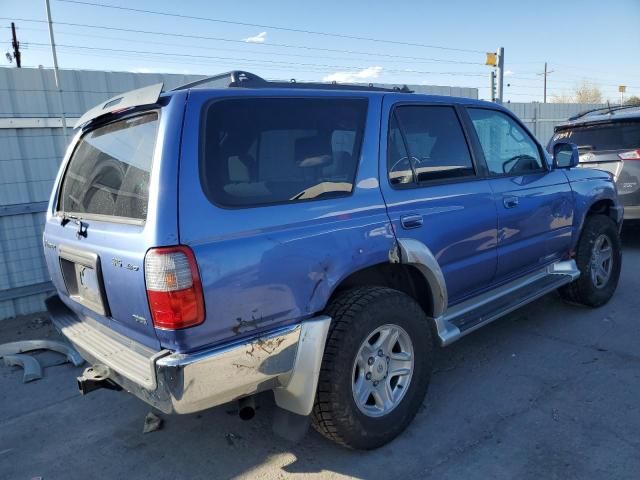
(552, 391)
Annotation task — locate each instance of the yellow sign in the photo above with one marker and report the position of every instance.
(622, 88)
(492, 59)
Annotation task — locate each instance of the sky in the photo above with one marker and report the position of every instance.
(415, 42)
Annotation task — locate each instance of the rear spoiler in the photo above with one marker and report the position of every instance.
(134, 98)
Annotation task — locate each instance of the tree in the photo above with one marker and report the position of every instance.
(632, 100)
(586, 92)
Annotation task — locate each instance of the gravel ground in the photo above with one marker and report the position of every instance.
(551, 391)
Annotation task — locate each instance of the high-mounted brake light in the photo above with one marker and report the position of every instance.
(173, 288)
(630, 155)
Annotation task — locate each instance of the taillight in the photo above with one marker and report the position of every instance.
(173, 287)
(630, 155)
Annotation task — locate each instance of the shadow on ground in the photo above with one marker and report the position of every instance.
(551, 391)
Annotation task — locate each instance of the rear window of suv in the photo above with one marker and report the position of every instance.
(108, 174)
(262, 151)
(609, 136)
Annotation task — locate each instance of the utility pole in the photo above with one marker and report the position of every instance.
(545, 83)
(16, 45)
(545, 73)
(500, 68)
(55, 69)
(496, 60)
(492, 85)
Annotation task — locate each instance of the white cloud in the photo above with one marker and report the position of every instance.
(259, 38)
(508, 73)
(351, 77)
(142, 70)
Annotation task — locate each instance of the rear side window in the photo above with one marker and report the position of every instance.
(260, 151)
(610, 136)
(108, 174)
(426, 143)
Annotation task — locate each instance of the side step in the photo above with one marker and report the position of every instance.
(465, 317)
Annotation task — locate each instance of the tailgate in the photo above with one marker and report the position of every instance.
(98, 228)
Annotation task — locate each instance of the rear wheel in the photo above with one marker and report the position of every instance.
(599, 259)
(376, 367)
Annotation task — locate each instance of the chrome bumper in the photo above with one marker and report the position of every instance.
(286, 360)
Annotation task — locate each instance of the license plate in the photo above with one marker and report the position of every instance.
(87, 281)
(83, 278)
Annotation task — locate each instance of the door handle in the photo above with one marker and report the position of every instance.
(411, 221)
(510, 201)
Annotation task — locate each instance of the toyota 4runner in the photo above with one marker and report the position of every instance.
(318, 241)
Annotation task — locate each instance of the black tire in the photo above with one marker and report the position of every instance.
(355, 315)
(583, 290)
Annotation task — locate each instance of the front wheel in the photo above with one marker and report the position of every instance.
(376, 367)
(599, 259)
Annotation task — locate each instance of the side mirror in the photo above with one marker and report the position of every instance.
(565, 155)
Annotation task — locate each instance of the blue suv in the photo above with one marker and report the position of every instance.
(317, 241)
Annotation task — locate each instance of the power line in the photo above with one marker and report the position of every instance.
(212, 57)
(273, 27)
(392, 58)
(598, 81)
(307, 69)
(350, 52)
(270, 44)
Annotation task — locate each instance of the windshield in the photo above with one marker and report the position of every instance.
(108, 174)
(609, 136)
(260, 151)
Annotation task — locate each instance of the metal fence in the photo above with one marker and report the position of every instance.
(32, 145)
(542, 117)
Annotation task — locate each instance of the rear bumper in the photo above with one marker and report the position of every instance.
(286, 360)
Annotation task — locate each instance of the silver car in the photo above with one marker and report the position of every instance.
(609, 139)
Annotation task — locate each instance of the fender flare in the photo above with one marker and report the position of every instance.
(616, 214)
(414, 252)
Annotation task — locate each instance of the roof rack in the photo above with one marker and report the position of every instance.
(242, 79)
(608, 109)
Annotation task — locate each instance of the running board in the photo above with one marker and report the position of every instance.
(465, 317)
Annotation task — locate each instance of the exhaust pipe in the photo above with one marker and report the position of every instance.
(95, 378)
(247, 408)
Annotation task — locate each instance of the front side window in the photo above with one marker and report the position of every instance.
(507, 147)
(426, 143)
(261, 151)
(108, 173)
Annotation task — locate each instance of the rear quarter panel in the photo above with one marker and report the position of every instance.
(274, 265)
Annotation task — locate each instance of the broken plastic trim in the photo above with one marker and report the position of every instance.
(31, 366)
(30, 345)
